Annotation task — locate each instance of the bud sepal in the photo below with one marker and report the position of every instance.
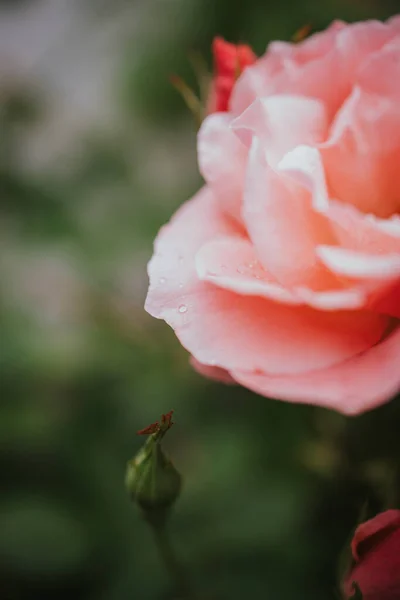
(151, 479)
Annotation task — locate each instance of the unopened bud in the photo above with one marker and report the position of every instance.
(151, 479)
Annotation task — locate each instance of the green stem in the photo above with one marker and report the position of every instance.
(173, 566)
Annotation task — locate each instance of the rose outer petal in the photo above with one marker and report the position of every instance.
(376, 549)
(220, 328)
(384, 522)
(231, 263)
(214, 373)
(352, 387)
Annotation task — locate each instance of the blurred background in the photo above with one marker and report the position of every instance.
(96, 151)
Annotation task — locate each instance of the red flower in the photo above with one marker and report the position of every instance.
(376, 558)
(230, 60)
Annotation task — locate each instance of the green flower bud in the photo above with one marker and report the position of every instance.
(151, 479)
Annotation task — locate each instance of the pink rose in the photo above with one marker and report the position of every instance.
(376, 558)
(283, 272)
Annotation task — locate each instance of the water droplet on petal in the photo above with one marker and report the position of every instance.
(162, 280)
(181, 284)
(182, 309)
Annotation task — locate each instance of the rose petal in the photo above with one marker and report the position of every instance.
(394, 23)
(231, 264)
(360, 265)
(378, 276)
(352, 387)
(376, 547)
(304, 164)
(285, 69)
(362, 156)
(372, 237)
(380, 71)
(388, 302)
(233, 332)
(283, 225)
(281, 122)
(172, 269)
(383, 523)
(323, 66)
(363, 233)
(214, 373)
(222, 161)
(351, 298)
(223, 329)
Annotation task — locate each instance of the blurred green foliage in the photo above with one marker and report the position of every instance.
(272, 491)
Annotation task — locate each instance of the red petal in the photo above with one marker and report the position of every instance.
(373, 531)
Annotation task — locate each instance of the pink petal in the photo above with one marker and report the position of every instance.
(394, 23)
(359, 40)
(214, 373)
(373, 238)
(223, 329)
(231, 264)
(352, 387)
(384, 522)
(378, 276)
(361, 157)
(380, 71)
(363, 233)
(360, 265)
(306, 69)
(350, 298)
(283, 225)
(241, 332)
(282, 122)
(257, 80)
(172, 268)
(323, 66)
(304, 164)
(222, 161)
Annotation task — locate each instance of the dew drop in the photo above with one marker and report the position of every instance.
(162, 280)
(181, 284)
(182, 309)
